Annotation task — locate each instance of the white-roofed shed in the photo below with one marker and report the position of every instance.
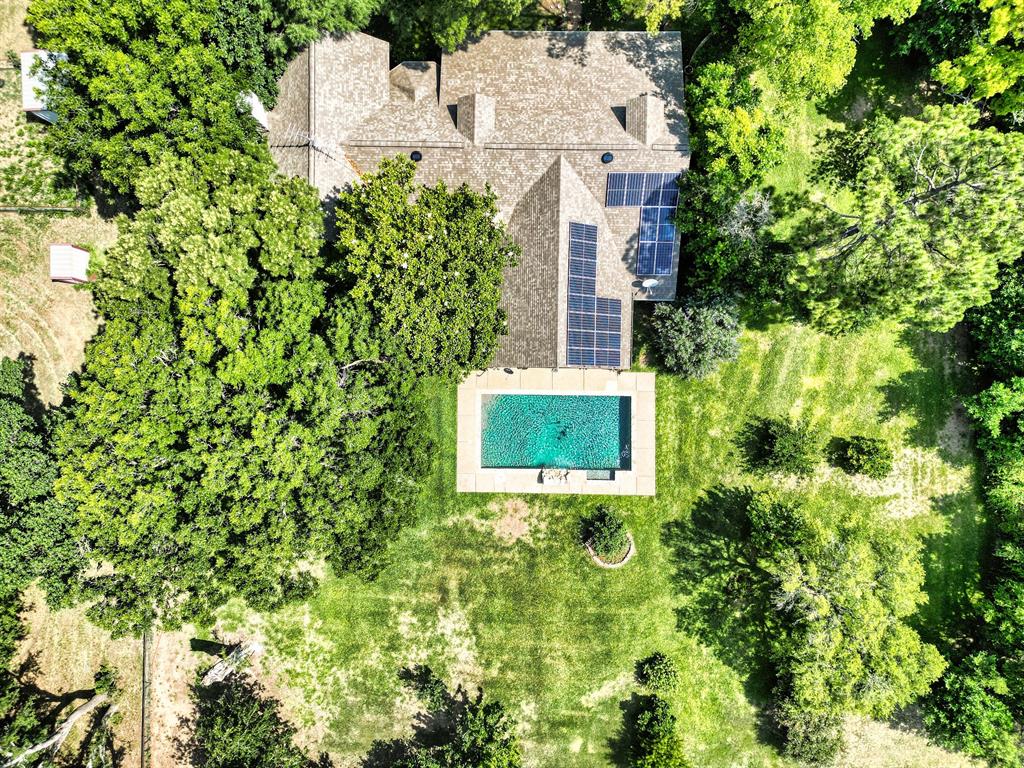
(35, 67)
(68, 263)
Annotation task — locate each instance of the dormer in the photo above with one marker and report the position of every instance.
(645, 118)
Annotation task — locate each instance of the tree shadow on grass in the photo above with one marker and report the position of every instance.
(882, 81)
(932, 395)
(723, 602)
(620, 746)
(955, 561)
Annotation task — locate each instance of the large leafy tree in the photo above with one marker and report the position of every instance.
(937, 206)
(141, 78)
(35, 543)
(992, 70)
(422, 270)
(237, 726)
(822, 589)
(217, 433)
(35, 530)
(805, 47)
(447, 23)
(255, 38)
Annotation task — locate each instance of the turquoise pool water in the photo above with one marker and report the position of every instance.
(563, 431)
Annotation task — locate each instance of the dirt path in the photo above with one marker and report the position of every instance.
(172, 667)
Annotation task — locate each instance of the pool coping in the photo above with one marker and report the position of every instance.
(639, 480)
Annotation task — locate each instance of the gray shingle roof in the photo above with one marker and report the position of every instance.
(538, 109)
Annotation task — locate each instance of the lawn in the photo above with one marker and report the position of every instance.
(494, 590)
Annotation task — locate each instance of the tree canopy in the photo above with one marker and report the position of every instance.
(424, 267)
(822, 589)
(237, 726)
(936, 207)
(992, 69)
(141, 79)
(215, 434)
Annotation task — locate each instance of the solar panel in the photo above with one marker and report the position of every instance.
(656, 194)
(594, 333)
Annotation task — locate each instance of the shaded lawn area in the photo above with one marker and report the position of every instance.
(494, 590)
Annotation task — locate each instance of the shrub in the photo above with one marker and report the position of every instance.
(655, 741)
(778, 445)
(693, 338)
(657, 672)
(859, 455)
(813, 738)
(605, 531)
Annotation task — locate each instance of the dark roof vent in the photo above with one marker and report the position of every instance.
(416, 155)
(607, 157)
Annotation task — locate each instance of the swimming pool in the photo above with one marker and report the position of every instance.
(561, 431)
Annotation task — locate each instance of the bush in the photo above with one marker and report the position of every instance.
(777, 445)
(815, 738)
(605, 531)
(657, 672)
(655, 741)
(693, 338)
(858, 455)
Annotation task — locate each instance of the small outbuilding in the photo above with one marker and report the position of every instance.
(35, 68)
(68, 263)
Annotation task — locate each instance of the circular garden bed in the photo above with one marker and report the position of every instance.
(606, 539)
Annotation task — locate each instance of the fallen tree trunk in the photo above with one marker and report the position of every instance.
(61, 734)
(220, 671)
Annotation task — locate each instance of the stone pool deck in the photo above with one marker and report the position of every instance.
(636, 481)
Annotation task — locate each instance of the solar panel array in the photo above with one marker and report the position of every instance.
(657, 195)
(595, 324)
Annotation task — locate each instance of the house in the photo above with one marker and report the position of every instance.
(35, 66)
(68, 263)
(581, 135)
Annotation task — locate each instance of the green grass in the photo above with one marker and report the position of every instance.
(554, 637)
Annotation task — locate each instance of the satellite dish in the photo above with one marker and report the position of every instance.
(650, 283)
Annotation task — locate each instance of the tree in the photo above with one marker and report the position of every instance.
(237, 726)
(470, 732)
(998, 326)
(421, 269)
(656, 742)
(863, 455)
(993, 69)
(941, 29)
(256, 38)
(695, 337)
(823, 587)
(937, 207)
(35, 530)
(224, 427)
(808, 48)
(735, 141)
(447, 23)
(141, 79)
(969, 714)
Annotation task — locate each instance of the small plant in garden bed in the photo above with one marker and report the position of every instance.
(605, 533)
(859, 455)
(657, 672)
(778, 445)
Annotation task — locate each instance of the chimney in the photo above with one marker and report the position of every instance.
(644, 116)
(475, 117)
